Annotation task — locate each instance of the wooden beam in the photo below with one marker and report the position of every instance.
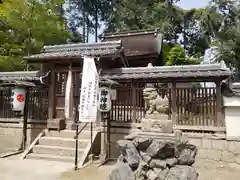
(218, 103)
(134, 102)
(51, 94)
(174, 103)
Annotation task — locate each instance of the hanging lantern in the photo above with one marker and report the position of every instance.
(18, 99)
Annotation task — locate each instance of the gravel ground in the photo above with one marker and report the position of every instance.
(212, 170)
(208, 170)
(15, 169)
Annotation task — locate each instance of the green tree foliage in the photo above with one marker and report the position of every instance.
(176, 56)
(85, 16)
(195, 38)
(25, 26)
(223, 19)
(138, 15)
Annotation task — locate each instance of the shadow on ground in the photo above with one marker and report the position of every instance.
(208, 170)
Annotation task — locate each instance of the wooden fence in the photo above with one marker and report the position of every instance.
(195, 106)
(38, 104)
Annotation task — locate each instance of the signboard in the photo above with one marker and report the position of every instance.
(105, 103)
(89, 89)
(18, 99)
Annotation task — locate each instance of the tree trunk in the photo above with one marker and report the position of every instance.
(84, 27)
(96, 22)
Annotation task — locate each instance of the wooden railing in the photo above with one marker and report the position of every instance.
(38, 104)
(195, 106)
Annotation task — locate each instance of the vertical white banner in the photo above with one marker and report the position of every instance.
(89, 90)
(69, 96)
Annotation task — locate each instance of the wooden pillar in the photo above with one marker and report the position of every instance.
(134, 103)
(218, 103)
(174, 103)
(51, 95)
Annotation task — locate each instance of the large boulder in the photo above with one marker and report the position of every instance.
(142, 143)
(182, 173)
(166, 150)
(121, 172)
(186, 154)
(129, 153)
(153, 149)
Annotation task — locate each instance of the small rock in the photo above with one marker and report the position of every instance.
(145, 157)
(129, 152)
(121, 172)
(163, 174)
(153, 149)
(171, 162)
(157, 170)
(182, 173)
(186, 154)
(141, 170)
(142, 143)
(151, 175)
(156, 163)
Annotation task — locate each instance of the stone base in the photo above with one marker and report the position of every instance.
(157, 125)
(57, 124)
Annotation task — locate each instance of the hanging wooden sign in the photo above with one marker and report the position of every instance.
(104, 103)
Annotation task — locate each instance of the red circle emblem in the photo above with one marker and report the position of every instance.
(20, 97)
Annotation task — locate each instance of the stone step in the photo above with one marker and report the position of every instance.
(69, 134)
(48, 157)
(56, 150)
(63, 142)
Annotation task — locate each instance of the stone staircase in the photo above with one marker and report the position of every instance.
(60, 146)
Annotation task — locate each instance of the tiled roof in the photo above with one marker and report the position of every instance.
(79, 50)
(185, 71)
(20, 76)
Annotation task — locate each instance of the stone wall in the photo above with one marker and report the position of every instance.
(217, 149)
(11, 135)
(209, 147)
(116, 135)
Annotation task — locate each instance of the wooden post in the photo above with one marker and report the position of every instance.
(25, 120)
(174, 103)
(51, 95)
(134, 103)
(219, 103)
